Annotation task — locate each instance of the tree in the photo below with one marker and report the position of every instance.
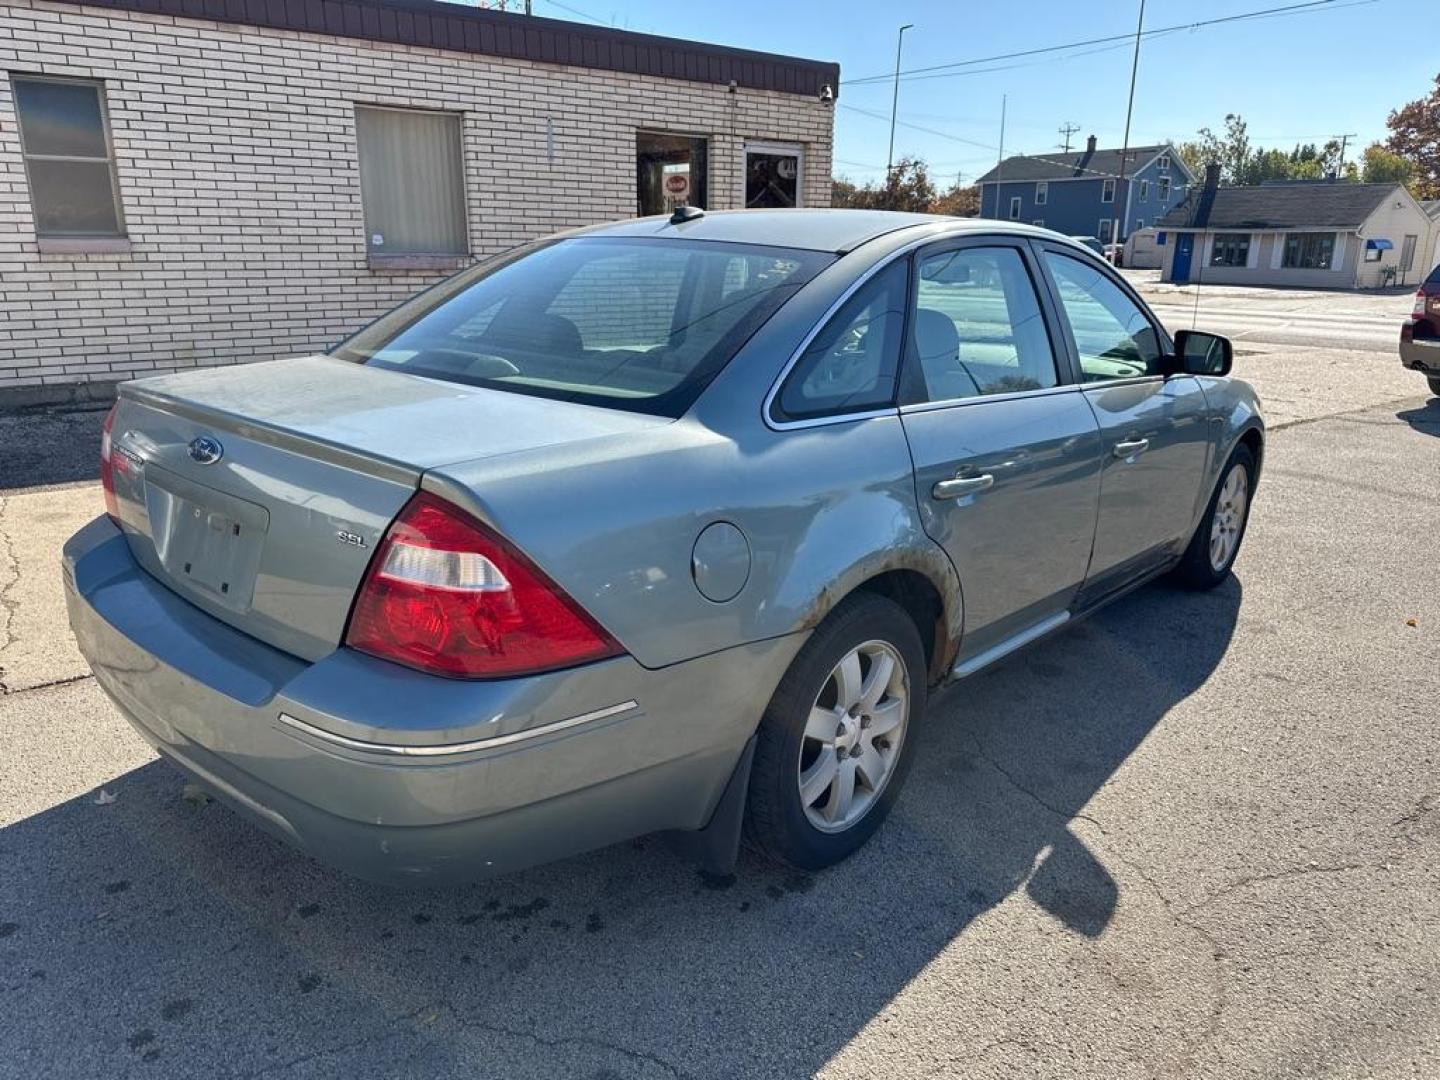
(958, 202)
(842, 192)
(1231, 150)
(1415, 136)
(1381, 166)
(906, 187)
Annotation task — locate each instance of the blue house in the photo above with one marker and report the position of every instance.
(1082, 194)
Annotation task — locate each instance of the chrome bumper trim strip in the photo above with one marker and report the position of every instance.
(444, 749)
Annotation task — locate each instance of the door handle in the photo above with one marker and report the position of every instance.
(1130, 447)
(962, 485)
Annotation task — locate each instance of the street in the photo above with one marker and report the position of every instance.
(1192, 836)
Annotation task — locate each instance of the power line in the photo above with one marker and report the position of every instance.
(1286, 9)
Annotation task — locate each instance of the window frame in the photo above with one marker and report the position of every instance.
(1039, 222)
(1056, 305)
(1107, 190)
(102, 99)
(911, 382)
(1144, 190)
(1163, 163)
(777, 149)
(1042, 192)
(1015, 203)
(1215, 242)
(1162, 188)
(1318, 235)
(379, 259)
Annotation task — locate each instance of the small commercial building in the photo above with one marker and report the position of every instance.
(1312, 235)
(192, 182)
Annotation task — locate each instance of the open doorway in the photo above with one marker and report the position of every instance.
(670, 172)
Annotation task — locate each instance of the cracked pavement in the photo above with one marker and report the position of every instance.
(1192, 836)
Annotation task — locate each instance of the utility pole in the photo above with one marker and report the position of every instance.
(1129, 111)
(895, 99)
(1066, 130)
(1344, 142)
(999, 161)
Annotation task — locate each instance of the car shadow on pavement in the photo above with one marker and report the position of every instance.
(1425, 419)
(175, 939)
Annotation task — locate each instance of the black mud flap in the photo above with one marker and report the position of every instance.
(716, 847)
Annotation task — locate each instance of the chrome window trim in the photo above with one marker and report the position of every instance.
(980, 399)
(448, 749)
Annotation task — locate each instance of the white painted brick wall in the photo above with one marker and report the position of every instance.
(235, 148)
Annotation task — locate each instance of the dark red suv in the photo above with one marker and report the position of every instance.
(1420, 336)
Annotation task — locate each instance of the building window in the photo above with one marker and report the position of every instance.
(1144, 190)
(1104, 232)
(1107, 191)
(412, 181)
(1164, 188)
(1230, 249)
(1309, 251)
(1042, 192)
(65, 140)
(1015, 208)
(1039, 221)
(1372, 254)
(1163, 163)
(772, 176)
(1139, 223)
(670, 172)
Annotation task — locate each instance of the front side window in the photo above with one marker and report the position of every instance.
(627, 323)
(1308, 251)
(65, 141)
(1113, 336)
(1107, 191)
(1230, 249)
(1042, 193)
(978, 327)
(412, 181)
(853, 363)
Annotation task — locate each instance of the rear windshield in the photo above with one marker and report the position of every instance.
(634, 324)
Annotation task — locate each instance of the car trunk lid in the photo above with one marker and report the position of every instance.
(259, 493)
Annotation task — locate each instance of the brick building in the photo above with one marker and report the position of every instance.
(192, 182)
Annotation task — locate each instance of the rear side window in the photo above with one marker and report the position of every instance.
(852, 364)
(627, 323)
(978, 326)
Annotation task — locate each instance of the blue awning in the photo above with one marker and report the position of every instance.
(1378, 244)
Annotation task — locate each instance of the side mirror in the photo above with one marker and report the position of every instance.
(1199, 353)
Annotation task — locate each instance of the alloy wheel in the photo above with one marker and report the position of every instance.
(1229, 517)
(853, 736)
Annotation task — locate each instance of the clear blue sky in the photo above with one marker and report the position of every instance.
(1296, 78)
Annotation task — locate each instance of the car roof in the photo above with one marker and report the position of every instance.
(813, 230)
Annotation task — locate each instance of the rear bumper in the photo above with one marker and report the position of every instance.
(402, 777)
(1422, 354)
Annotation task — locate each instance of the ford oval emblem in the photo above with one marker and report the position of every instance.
(205, 450)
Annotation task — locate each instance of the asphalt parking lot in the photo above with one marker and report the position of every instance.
(1193, 836)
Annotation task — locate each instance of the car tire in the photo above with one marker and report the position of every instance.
(1216, 543)
(1434, 381)
(797, 808)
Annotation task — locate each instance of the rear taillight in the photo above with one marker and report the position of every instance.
(107, 466)
(1419, 308)
(447, 595)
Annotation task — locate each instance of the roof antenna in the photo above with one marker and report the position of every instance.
(683, 214)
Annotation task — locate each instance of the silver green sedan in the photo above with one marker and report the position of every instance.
(662, 525)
